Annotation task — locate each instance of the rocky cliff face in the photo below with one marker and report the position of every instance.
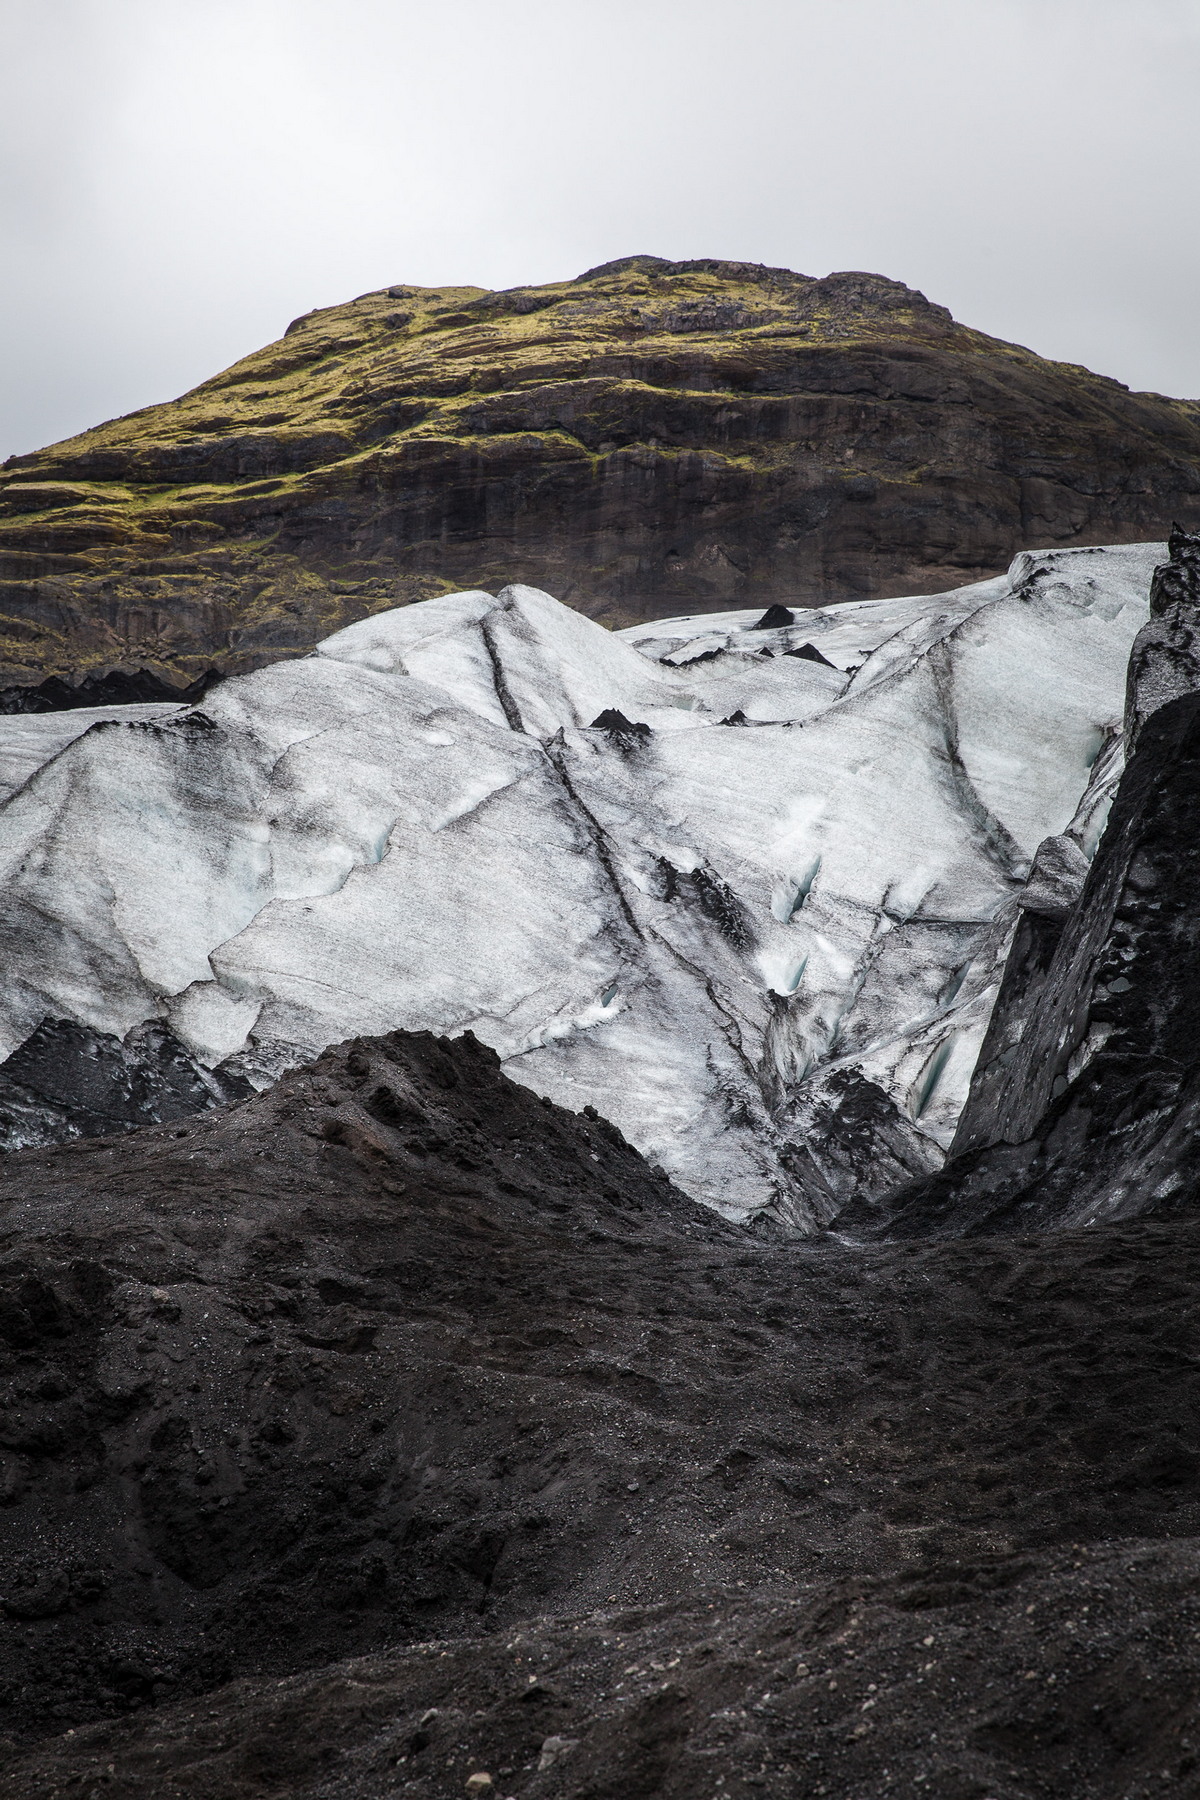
(652, 438)
(1085, 1104)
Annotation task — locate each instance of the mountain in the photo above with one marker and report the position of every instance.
(652, 438)
(742, 882)
(394, 1427)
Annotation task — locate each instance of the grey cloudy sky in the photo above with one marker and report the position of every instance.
(179, 178)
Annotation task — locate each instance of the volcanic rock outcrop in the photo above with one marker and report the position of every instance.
(1085, 1104)
(655, 437)
(744, 883)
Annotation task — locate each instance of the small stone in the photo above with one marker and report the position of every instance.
(774, 619)
(479, 1783)
(553, 1750)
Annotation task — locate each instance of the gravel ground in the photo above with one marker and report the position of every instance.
(394, 1428)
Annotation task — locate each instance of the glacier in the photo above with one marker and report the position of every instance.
(745, 886)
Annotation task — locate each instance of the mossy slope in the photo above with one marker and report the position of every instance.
(650, 438)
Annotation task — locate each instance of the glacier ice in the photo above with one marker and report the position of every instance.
(769, 922)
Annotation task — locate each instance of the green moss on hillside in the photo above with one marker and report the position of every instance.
(649, 437)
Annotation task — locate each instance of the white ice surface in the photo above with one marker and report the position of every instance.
(27, 740)
(417, 826)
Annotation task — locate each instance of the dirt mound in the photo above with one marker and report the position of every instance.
(399, 1353)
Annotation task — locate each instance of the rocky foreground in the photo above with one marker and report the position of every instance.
(396, 1428)
(652, 438)
(395, 1431)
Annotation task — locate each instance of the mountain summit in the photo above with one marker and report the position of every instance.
(651, 438)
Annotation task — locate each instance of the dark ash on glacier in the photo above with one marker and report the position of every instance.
(723, 940)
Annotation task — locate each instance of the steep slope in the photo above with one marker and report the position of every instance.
(398, 1361)
(742, 884)
(1086, 1098)
(651, 438)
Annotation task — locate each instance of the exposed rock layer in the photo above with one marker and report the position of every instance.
(651, 438)
(397, 1353)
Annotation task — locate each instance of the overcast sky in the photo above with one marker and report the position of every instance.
(182, 177)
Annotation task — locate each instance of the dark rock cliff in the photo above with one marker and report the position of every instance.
(652, 438)
(1085, 1104)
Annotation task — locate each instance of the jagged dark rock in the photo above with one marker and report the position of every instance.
(67, 1081)
(628, 733)
(810, 653)
(774, 619)
(1085, 1104)
(113, 689)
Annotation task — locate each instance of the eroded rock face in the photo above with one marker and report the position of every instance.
(1085, 1104)
(652, 438)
